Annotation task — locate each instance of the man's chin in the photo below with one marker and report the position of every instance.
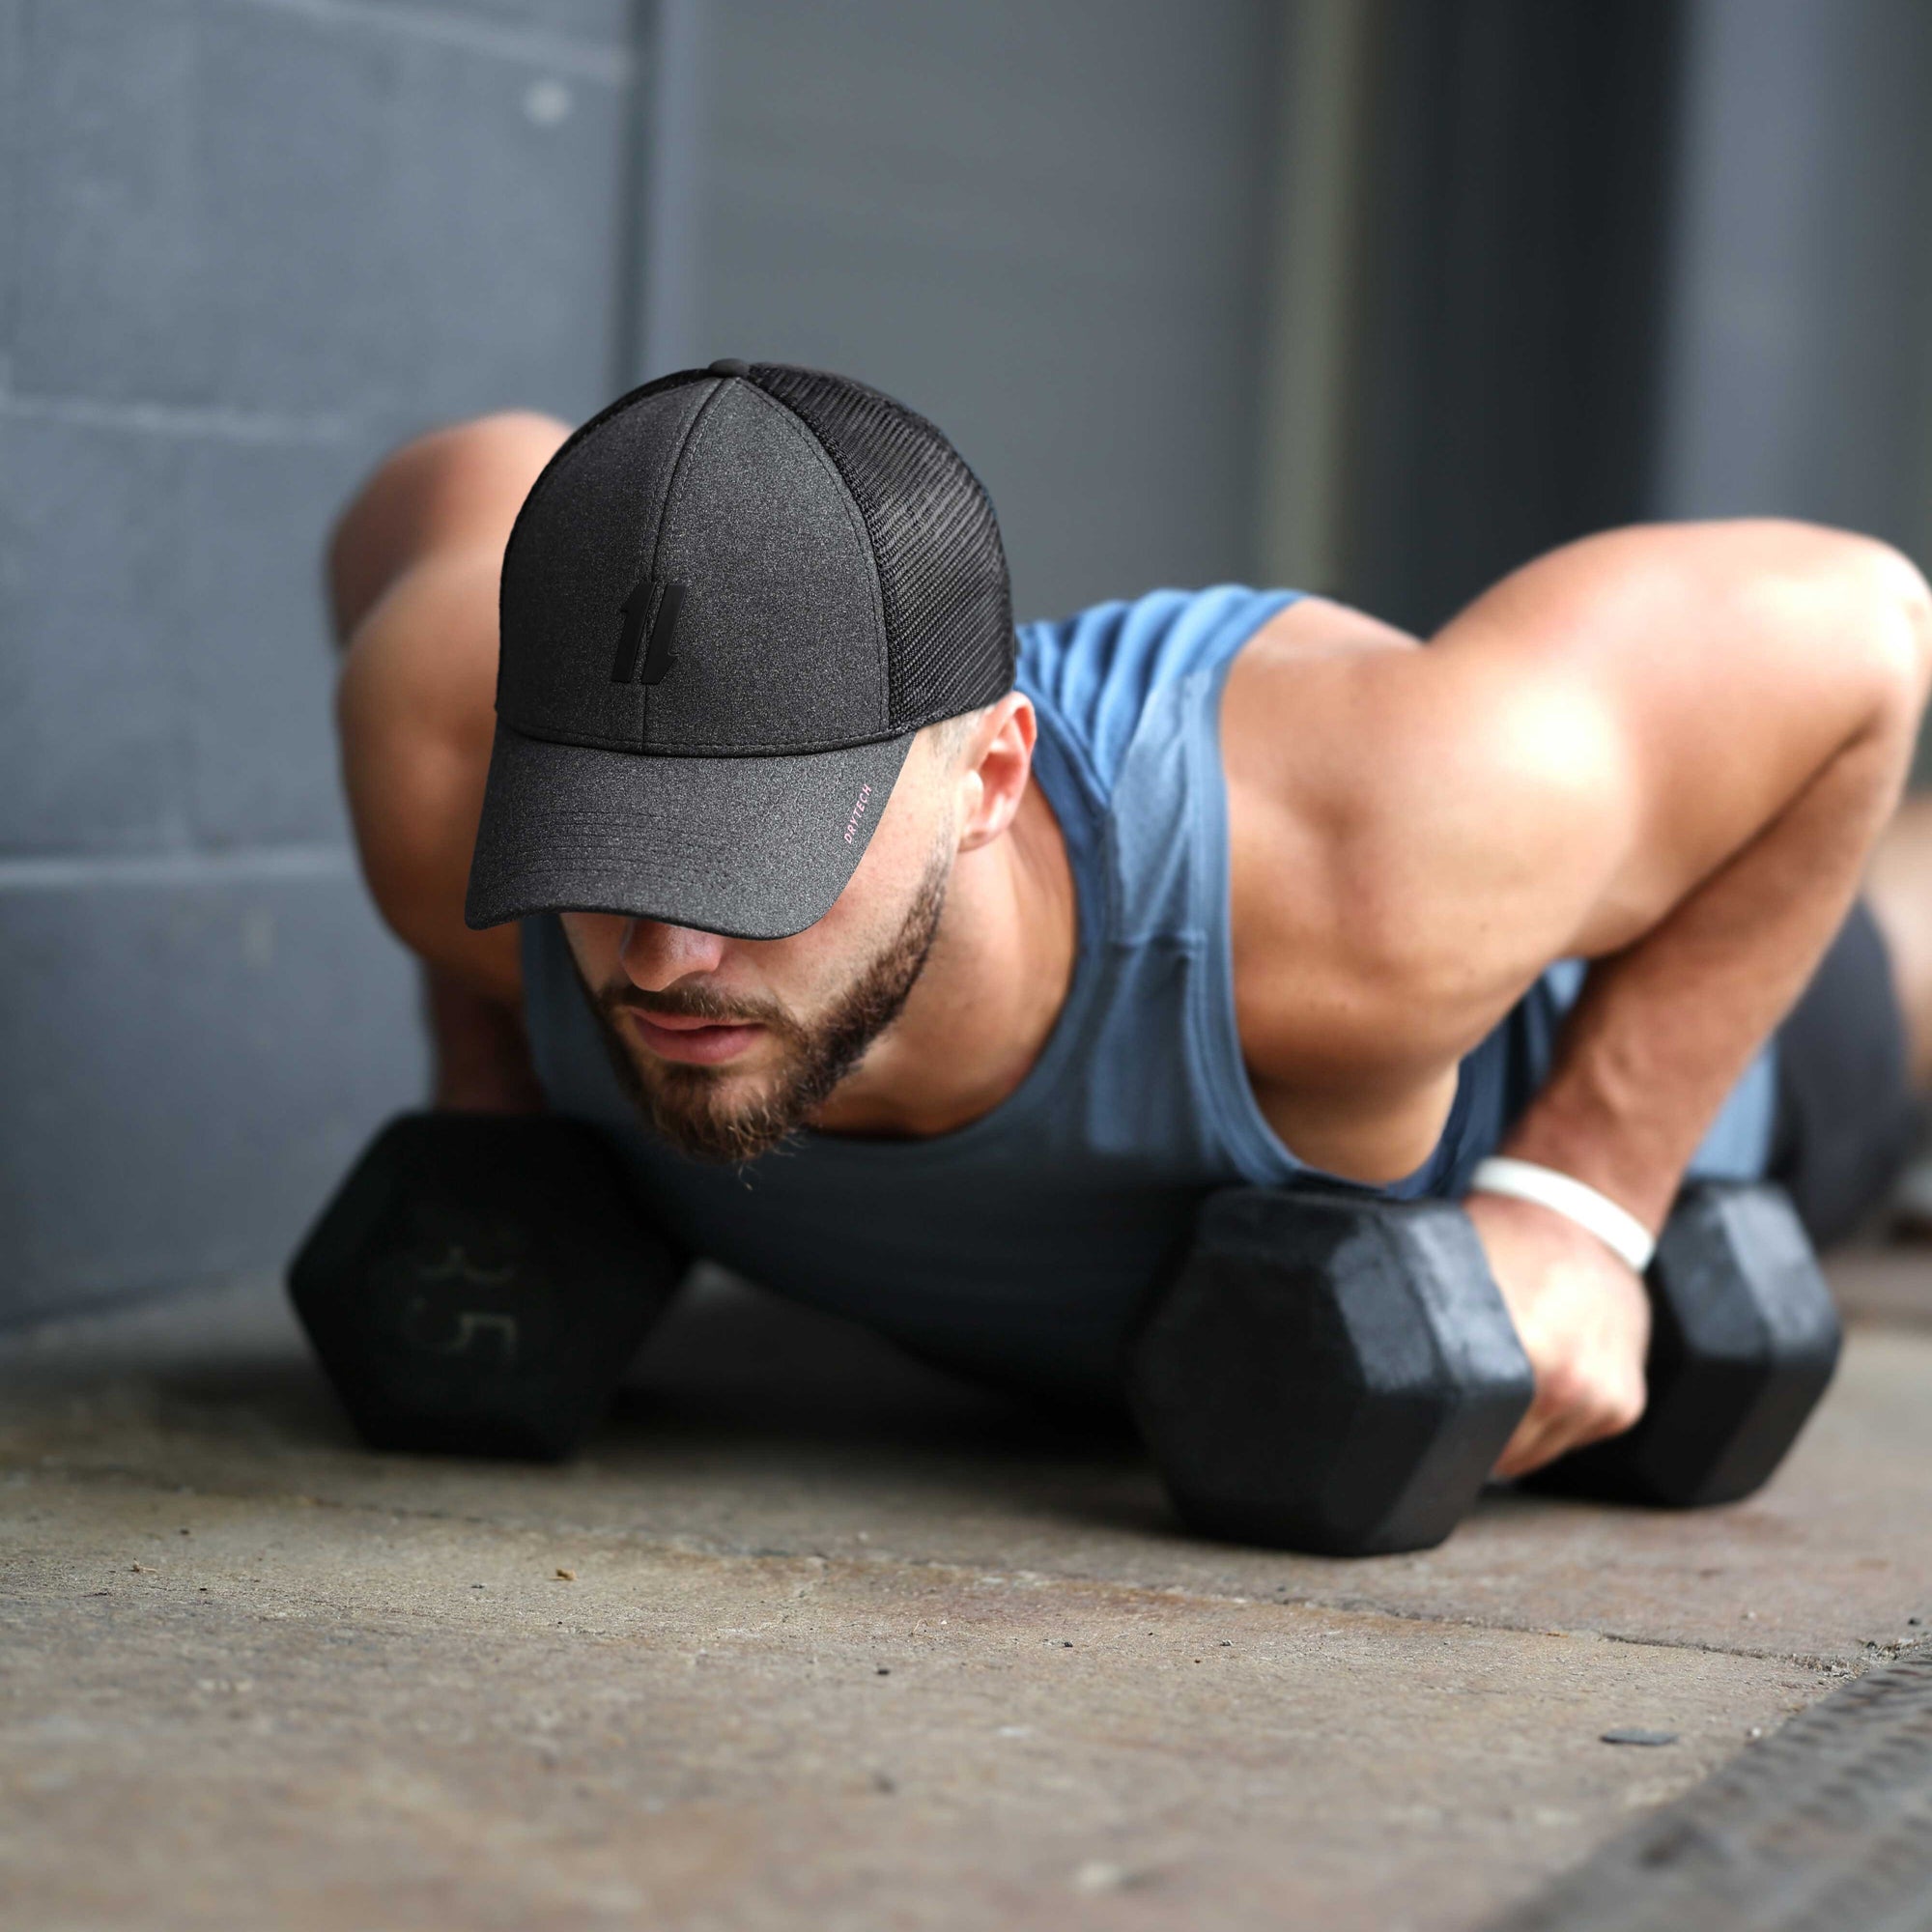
(736, 1109)
(712, 1114)
(726, 1141)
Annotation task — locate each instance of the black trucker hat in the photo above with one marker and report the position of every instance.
(728, 604)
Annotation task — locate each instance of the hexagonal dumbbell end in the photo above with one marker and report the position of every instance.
(479, 1284)
(1329, 1371)
(1744, 1342)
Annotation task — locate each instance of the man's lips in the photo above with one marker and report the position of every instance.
(701, 1042)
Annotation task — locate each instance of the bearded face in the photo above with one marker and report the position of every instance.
(743, 1106)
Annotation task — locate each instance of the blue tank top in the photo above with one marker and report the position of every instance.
(1019, 1247)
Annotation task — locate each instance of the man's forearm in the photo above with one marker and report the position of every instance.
(480, 1051)
(1664, 1029)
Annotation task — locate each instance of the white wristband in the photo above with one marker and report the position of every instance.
(1617, 1227)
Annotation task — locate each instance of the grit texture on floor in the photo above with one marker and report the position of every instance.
(816, 1637)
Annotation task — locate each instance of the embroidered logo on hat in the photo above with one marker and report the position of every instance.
(650, 610)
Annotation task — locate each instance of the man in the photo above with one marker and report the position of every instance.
(942, 999)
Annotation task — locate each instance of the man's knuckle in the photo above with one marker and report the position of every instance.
(1626, 1410)
(1560, 1390)
(1610, 1412)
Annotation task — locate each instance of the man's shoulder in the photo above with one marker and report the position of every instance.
(1402, 857)
(1332, 1006)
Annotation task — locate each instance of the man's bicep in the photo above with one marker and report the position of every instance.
(1498, 833)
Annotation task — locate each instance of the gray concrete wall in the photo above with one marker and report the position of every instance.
(1041, 222)
(247, 245)
(1797, 374)
(1514, 190)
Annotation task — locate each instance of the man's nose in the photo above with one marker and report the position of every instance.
(654, 954)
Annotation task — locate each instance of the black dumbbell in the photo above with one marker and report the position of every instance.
(479, 1283)
(1335, 1373)
(1744, 1341)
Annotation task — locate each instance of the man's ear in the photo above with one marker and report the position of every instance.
(994, 766)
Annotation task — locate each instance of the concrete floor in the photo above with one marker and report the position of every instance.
(816, 1638)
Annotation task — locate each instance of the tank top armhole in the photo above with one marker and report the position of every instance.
(1262, 1159)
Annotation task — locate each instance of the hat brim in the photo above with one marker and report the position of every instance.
(751, 847)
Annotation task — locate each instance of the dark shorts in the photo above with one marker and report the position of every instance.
(1847, 1119)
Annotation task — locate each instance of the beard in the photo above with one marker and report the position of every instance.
(688, 1105)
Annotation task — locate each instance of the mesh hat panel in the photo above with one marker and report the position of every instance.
(941, 567)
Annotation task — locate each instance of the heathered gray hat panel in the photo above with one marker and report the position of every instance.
(781, 642)
(572, 563)
(757, 848)
(728, 603)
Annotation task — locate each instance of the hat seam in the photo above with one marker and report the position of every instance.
(551, 469)
(677, 470)
(861, 535)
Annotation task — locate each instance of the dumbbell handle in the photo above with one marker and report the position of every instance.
(1732, 1374)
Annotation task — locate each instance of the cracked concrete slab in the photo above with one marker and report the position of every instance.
(843, 1641)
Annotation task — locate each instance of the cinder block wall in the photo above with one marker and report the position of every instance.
(247, 245)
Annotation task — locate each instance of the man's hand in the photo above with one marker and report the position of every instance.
(1584, 1319)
